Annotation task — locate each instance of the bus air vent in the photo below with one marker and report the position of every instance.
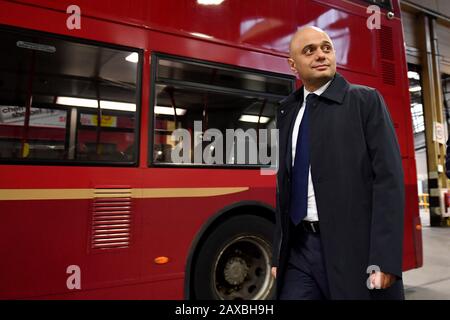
(386, 43)
(386, 47)
(111, 218)
(388, 72)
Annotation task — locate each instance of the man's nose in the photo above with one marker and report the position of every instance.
(320, 55)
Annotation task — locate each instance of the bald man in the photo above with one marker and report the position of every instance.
(340, 192)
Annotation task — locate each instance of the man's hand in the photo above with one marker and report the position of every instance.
(381, 280)
(274, 272)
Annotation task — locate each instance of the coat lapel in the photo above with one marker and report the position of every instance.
(290, 107)
(288, 113)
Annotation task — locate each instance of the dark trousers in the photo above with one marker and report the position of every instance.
(305, 277)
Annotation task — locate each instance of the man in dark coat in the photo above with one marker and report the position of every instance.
(348, 241)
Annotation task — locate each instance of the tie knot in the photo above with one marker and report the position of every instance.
(311, 98)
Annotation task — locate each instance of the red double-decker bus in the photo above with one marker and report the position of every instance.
(94, 204)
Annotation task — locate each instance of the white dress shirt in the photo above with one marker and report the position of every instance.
(312, 207)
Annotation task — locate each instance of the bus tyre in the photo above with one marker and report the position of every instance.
(234, 261)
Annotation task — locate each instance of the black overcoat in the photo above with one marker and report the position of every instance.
(357, 176)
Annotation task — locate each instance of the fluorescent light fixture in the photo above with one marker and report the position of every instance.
(253, 119)
(77, 102)
(134, 57)
(169, 111)
(201, 35)
(92, 103)
(36, 46)
(113, 105)
(413, 75)
(415, 89)
(210, 2)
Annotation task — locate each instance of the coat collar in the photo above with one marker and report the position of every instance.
(335, 91)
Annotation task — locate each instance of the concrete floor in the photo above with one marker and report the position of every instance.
(432, 281)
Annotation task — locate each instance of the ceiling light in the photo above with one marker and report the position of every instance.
(92, 103)
(113, 105)
(134, 57)
(77, 102)
(254, 119)
(413, 75)
(36, 46)
(169, 111)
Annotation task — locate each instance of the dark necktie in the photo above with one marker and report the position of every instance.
(300, 171)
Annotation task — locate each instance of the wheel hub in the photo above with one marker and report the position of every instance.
(235, 271)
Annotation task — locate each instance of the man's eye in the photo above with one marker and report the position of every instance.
(308, 51)
(326, 49)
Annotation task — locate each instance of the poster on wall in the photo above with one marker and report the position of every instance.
(39, 117)
(91, 120)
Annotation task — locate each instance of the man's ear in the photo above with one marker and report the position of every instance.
(291, 63)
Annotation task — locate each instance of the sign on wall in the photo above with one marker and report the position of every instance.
(39, 117)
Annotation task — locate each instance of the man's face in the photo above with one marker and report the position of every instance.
(312, 56)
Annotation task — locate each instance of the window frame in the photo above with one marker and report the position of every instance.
(156, 56)
(139, 85)
(388, 7)
(418, 69)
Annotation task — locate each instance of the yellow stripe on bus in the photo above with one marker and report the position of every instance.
(185, 192)
(67, 194)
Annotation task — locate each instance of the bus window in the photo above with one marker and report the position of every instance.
(52, 93)
(115, 140)
(200, 97)
(46, 132)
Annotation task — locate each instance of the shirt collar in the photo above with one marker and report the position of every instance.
(318, 91)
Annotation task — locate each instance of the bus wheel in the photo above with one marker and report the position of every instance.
(234, 261)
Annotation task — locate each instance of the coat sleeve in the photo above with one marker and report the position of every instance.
(387, 221)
